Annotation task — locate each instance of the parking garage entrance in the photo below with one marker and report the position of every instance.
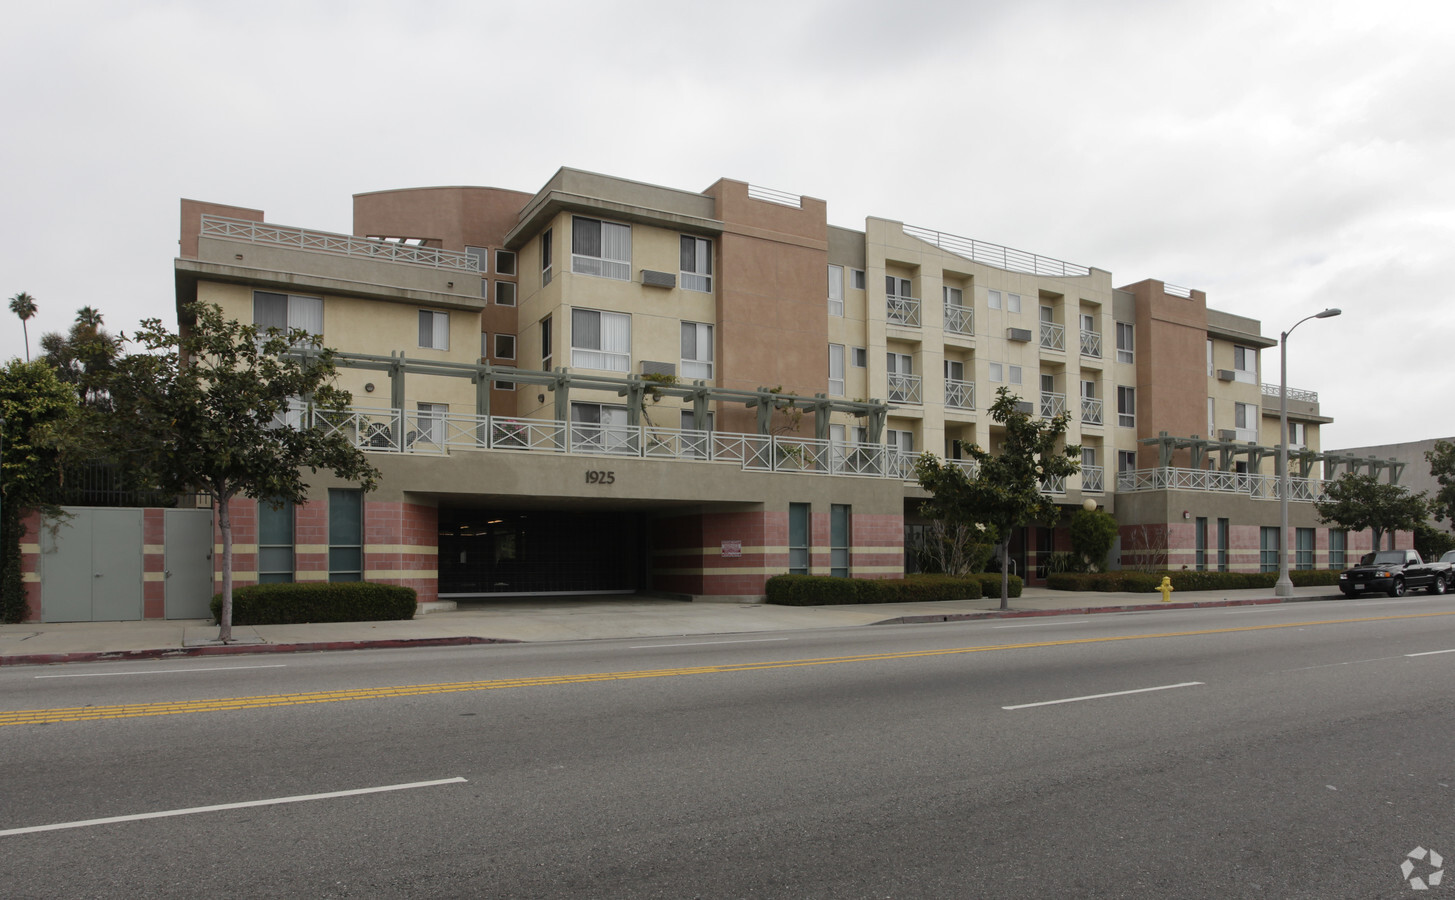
(485, 553)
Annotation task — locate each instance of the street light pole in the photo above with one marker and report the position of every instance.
(1284, 587)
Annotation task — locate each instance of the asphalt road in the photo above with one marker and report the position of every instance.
(1301, 750)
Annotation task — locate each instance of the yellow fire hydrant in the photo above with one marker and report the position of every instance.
(1166, 588)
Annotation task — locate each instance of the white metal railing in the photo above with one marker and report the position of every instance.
(1091, 344)
(1052, 405)
(996, 255)
(1177, 290)
(902, 310)
(1053, 336)
(1271, 390)
(1055, 484)
(337, 244)
(960, 394)
(959, 319)
(1257, 486)
(771, 195)
(1093, 479)
(905, 388)
(1091, 410)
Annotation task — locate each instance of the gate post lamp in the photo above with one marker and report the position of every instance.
(1284, 587)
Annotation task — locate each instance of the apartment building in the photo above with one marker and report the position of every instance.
(606, 385)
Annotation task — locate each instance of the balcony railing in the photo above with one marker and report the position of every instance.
(905, 388)
(995, 255)
(1052, 405)
(1053, 336)
(1271, 390)
(1056, 484)
(1091, 344)
(959, 319)
(337, 244)
(1257, 486)
(902, 310)
(1093, 479)
(1091, 409)
(960, 394)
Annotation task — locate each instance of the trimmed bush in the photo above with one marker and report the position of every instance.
(1105, 582)
(1182, 580)
(323, 601)
(818, 590)
(990, 584)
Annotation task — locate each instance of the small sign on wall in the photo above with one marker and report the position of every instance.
(732, 549)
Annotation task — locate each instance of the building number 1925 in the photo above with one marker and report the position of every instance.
(595, 477)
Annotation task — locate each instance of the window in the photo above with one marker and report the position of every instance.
(898, 287)
(861, 357)
(954, 370)
(504, 262)
(696, 350)
(798, 538)
(1012, 303)
(1209, 357)
(595, 427)
(601, 248)
(546, 343)
(431, 423)
(1245, 421)
(836, 290)
(434, 330)
(1126, 461)
(836, 370)
(903, 441)
(1269, 548)
(546, 257)
(1211, 427)
(1303, 548)
(993, 298)
(1297, 435)
(1013, 374)
(1200, 544)
(601, 340)
(275, 542)
(903, 386)
(484, 346)
(1245, 364)
(504, 293)
(481, 256)
(997, 372)
(839, 540)
(485, 288)
(953, 295)
(1338, 544)
(286, 312)
(1126, 406)
(1126, 343)
(345, 535)
(696, 264)
(505, 346)
(503, 385)
(1222, 545)
(858, 281)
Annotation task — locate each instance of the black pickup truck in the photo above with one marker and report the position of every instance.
(1394, 571)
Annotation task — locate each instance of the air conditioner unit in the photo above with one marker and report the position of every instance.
(1018, 334)
(1226, 375)
(658, 368)
(1227, 434)
(658, 279)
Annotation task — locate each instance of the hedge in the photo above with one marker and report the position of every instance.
(323, 601)
(1183, 580)
(817, 590)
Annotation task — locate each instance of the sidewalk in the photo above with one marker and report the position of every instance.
(565, 619)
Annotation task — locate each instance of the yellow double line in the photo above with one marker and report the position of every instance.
(181, 707)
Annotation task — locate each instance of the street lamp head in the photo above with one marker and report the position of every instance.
(1329, 313)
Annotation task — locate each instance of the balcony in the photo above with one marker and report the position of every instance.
(1053, 336)
(1257, 486)
(1052, 405)
(959, 319)
(1091, 411)
(903, 310)
(1294, 394)
(905, 388)
(1007, 258)
(960, 394)
(1093, 479)
(1091, 344)
(336, 244)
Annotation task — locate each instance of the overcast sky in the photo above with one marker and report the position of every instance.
(1283, 157)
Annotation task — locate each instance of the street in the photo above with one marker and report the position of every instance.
(1298, 750)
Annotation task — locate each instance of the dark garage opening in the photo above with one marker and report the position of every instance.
(483, 552)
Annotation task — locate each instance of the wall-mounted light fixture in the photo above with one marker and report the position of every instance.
(369, 387)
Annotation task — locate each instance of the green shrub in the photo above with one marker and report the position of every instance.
(1122, 581)
(818, 590)
(323, 601)
(990, 584)
(1128, 581)
(1093, 532)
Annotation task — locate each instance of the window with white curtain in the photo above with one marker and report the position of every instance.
(434, 329)
(287, 312)
(1127, 407)
(432, 422)
(836, 370)
(696, 350)
(836, 290)
(601, 340)
(601, 248)
(696, 264)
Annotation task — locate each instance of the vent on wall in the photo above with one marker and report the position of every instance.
(1018, 334)
(658, 279)
(658, 368)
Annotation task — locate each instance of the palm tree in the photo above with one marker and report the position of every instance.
(88, 316)
(23, 305)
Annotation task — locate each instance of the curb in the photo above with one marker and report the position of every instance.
(41, 659)
(1090, 610)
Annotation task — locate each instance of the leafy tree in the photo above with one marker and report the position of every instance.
(209, 407)
(1442, 467)
(1006, 491)
(1432, 542)
(84, 358)
(1093, 532)
(23, 305)
(33, 404)
(957, 549)
(1356, 502)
